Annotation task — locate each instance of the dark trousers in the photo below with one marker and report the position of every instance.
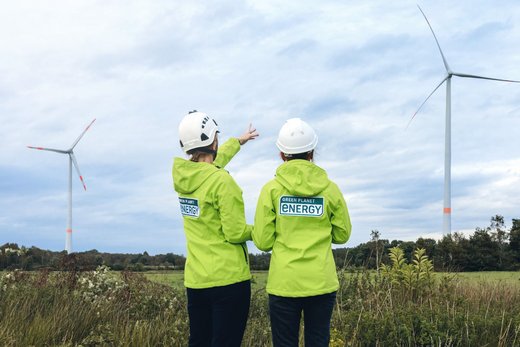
(286, 314)
(218, 315)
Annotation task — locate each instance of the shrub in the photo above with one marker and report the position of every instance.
(405, 304)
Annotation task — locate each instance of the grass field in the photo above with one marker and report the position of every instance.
(175, 278)
(406, 305)
(506, 277)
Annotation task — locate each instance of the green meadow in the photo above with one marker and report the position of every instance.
(175, 278)
(404, 304)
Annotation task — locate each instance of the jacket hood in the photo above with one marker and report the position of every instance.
(188, 176)
(302, 178)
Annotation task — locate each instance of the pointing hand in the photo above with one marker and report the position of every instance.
(249, 134)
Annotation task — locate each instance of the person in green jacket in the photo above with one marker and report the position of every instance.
(216, 274)
(299, 215)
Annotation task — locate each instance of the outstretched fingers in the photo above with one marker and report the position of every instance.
(249, 134)
(252, 132)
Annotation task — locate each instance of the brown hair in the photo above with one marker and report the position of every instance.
(197, 152)
(304, 156)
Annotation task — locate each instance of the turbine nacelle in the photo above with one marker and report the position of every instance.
(449, 73)
(70, 152)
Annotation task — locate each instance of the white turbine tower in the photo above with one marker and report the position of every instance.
(447, 145)
(72, 161)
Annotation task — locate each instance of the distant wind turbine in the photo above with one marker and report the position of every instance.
(72, 161)
(447, 145)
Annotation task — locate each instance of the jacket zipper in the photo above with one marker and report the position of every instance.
(245, 253)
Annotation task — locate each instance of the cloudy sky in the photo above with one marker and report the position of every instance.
(355, 70)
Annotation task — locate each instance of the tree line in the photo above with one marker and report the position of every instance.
(493, 248)
(14, 257)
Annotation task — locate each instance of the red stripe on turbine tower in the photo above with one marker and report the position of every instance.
(72, 162)
(447, 135)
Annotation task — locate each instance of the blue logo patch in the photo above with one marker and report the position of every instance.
(189, 207)
(301, 206)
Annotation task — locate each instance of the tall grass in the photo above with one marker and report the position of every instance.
(90, 309)
(402, 305)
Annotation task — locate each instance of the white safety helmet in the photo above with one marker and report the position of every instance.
(296, 136)
(196, 130)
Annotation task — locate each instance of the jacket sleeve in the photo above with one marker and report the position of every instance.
(231, 210)
(265, 222)
(226, 152)
(340, 219)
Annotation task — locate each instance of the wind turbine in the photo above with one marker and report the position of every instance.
(447, 139)
(72, 161)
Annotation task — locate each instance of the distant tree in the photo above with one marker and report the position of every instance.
(117, 267)
(463, 258)
(452, 252)
(514, 242)
(492, 248)
(408, 247)
(484, 250)
(443, 258)
(499, 235)
(341, 257)
(428, 244)
(374, 239)
(259, 261)
(364, 256)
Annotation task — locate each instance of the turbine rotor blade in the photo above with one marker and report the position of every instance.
(464, 75)
(424, 102)
(77, 169)
(48, 149)
(438, 45)
(80, 136)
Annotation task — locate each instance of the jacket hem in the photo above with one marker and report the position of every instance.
(217, 283)
(293, 294)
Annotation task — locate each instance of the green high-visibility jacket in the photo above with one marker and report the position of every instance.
(300, 213)
(214, 222)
